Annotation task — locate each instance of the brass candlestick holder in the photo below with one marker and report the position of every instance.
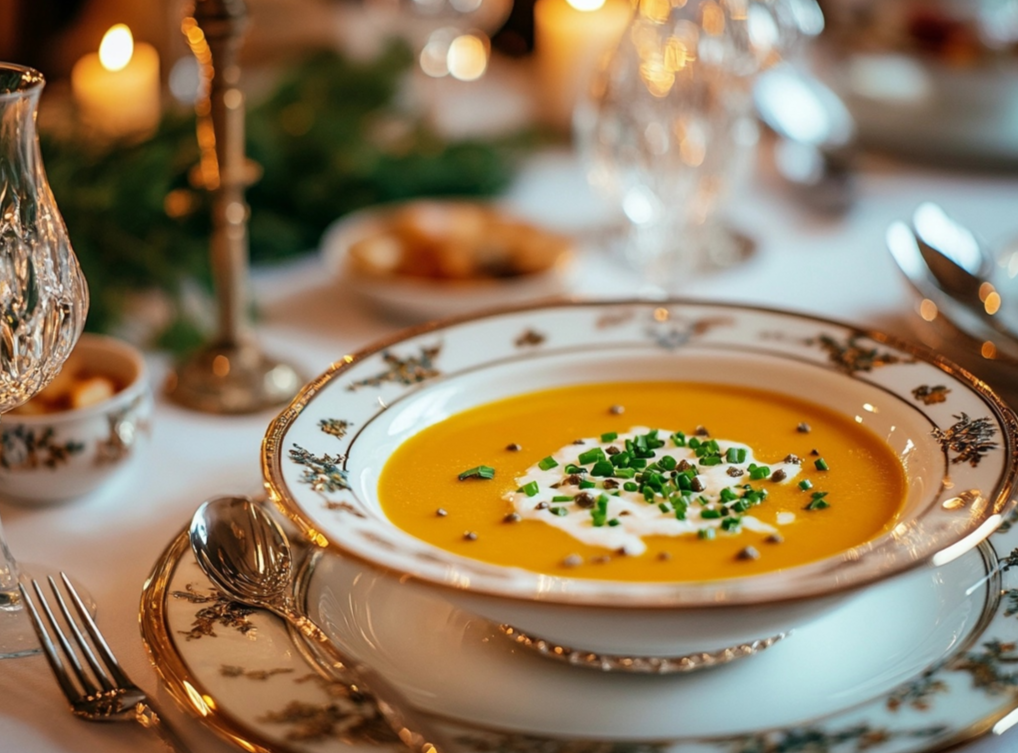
(231, 374)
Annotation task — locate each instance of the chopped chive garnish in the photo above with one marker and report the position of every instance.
(625, 472)
(614, 522)
(481, 471)
(711, 460)
(759, 472)
(547, 463)
(821, 464)
(587, 484)
(591, 456)
(705, 533)
(561, 498)
(668, 463)
(818, 502)
(710, 514)
(620, 459)
(602, 468)
(805, 484)
(572, 468)
(663, 507)
(609, 436)
(630, 486)
(730, 524)
(530, 489)
(679, 439)
(560, 511)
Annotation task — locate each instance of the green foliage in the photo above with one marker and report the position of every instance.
(329, 139)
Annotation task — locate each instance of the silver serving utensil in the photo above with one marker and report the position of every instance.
(956, 266)
(815, 150)
(247, 556)
(958, 261)
(960, 304)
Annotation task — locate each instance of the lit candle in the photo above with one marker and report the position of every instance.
(117, 89)
(570, 39)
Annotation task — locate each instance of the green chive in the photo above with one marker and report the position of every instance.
(548, 463)
(591, 456)
(821, 464)
(679, 439)
(625, 473)
(818, 502)
(730, 524)
(705, 533)
(759, 472)
(560, 511)
(561, 498)
(805, 484)
(530, 489)
(630, 486)
(609, 436)
(614, 522)
(602, 468)
(710, 514)
(584, 484)
(481, 471)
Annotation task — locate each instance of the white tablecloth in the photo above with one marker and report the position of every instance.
(831, 267)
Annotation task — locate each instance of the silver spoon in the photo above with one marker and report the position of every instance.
(247, 556)
(967, 313)
(957, 264)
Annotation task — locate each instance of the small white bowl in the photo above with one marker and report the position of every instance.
(416, 299)
(956, 440)
(54, 457)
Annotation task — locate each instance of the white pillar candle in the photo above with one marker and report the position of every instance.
(570, 39)
(117, 90)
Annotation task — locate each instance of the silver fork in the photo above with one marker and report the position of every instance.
(105, 695)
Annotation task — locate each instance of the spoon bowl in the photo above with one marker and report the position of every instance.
(247, 556)
(949, 266)
(243, 551)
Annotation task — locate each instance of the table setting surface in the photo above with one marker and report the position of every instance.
(831, 267)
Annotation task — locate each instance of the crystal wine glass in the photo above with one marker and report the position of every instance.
(667, 121)
(43, 296)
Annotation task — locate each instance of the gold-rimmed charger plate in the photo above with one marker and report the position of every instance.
(239, 672)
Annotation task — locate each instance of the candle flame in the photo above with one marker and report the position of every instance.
(117, 47)
(586, 5)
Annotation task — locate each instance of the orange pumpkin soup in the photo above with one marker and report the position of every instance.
(645, 481)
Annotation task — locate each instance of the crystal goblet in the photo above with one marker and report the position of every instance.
(669, 120)
(43, 295)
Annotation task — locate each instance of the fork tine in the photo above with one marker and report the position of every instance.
(72, 657)
(86, 650)
(119, 676)
(49, 650)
